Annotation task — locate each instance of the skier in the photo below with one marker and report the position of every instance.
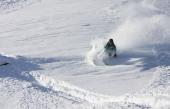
(110, 48)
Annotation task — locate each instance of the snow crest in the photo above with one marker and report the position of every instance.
(156, 97)
(71, 90)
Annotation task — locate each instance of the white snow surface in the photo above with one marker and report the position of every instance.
(56, 58)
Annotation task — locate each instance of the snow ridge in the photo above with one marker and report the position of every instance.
(156, 96)
(61, 86)
(156, 99)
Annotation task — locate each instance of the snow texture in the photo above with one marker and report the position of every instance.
(46, 60)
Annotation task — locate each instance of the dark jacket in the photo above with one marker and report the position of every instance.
(110, 46)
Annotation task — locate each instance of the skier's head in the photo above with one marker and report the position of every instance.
(111, 40)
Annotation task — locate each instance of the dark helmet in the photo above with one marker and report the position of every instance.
(111, 40)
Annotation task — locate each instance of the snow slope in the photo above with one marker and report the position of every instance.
(53, 66)
(7, 6)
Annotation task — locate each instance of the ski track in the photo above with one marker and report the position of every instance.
(40, 91)
(32, 96)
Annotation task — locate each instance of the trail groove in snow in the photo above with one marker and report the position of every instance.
(147, 98)
(155, 96)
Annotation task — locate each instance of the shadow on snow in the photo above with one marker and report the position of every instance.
(160, 56)
(19, 67)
